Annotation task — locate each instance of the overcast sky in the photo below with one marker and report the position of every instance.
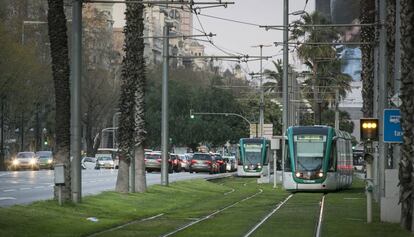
(236, 37)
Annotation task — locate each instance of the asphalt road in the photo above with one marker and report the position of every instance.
(24, 187)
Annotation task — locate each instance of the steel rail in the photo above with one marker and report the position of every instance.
(320, 219)
(267, 216)
(210, 215)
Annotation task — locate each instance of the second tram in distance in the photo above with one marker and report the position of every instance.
(253, 156)
(317, 158)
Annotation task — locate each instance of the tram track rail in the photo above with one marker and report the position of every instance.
(318, 227)
(263, 220)
(318, 217)
(210, 215)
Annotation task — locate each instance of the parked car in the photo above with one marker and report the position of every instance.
(104, 162)
(45, 159)
(231, 163)
(25, 160)
(220, 162)
(88, 162)
(203, 162)
(153, 162)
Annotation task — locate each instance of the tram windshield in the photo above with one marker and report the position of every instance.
(253, 153)
(309, 152)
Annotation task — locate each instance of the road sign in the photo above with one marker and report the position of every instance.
(392, 126)
(396, 99)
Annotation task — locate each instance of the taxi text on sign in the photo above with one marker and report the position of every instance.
(392, 126)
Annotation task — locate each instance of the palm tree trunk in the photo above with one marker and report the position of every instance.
(60, 69)
(132, 125)
(407, 110)
(367, 74)
(140, 175)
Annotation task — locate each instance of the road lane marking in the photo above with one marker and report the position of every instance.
(7, 198)
(39, 187)
(25, 188)
(9, 190)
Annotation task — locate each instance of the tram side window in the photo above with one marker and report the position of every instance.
(288, 166)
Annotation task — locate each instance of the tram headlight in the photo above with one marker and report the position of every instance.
(320, 174)
(298, 174)
(259, 166)
(246, 167)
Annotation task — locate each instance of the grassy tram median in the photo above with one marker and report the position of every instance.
(184, 202)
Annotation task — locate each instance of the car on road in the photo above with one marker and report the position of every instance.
(203, 162)
(176, 162)
(25, 160)
(220, 162)
(185, 161)
(88, 162)
(109, 151)
(231, 163)
(153, 162)
(45, 159)
(105, 162)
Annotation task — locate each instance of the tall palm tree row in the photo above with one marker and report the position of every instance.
(60, 68)
(406, 170)
(367, 16)
(321, 59)
(131, 123)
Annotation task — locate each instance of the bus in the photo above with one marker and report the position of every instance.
(253, 156)
(317, 158)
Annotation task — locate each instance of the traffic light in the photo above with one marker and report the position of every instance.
(191, 114)
(369, 129)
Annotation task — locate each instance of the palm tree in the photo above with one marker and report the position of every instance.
(367, 74)
(407, 118)
(131, 124)
(60, 69)
(276, 77)
(321, 59)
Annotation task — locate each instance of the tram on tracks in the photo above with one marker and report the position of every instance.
(252, 156)
(317, 158)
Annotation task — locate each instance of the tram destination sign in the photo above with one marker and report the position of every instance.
(392, 126)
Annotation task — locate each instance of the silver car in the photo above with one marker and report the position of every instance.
(25, 160)
(45, 159)
(104, 162)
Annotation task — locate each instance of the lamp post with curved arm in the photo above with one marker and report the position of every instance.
(192, 113)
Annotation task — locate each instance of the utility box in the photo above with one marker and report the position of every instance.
(59, 174)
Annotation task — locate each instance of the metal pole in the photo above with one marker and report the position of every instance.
(2, 155)
(261, 116)
(382, 96)
(274, 168)
(285, 78)
(336, 109)
(369, 192)
(75, 99)
(22, 132)
(164, 112)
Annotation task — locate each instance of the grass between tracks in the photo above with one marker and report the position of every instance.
(186, 201)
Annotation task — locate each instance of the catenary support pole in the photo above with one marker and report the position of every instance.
(382, 96)
(75, 99)
(285, 76)
(261, 115)
(164, 109)
(337, 108)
